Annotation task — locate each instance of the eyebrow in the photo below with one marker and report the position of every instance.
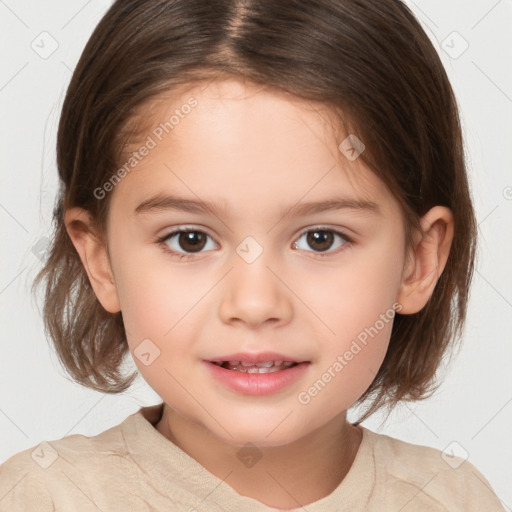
(163, 203)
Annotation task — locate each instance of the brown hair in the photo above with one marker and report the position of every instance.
(370, 60)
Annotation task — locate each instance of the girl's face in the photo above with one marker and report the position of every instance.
(295, 252)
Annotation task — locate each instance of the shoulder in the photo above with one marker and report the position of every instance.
(425, 478)
(41, 475)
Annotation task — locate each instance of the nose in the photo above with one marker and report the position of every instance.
(253, 295)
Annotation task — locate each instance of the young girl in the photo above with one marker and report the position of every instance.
(265, 203)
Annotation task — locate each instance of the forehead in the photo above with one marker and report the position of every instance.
(238, 142)
(218, 107)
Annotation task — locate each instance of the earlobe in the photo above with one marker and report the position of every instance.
(426, 260)
(94, 256)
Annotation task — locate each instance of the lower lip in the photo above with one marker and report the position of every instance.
(257, 383)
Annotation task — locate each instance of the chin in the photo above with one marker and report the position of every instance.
(264, 434)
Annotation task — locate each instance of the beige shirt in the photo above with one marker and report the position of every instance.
(133, 468)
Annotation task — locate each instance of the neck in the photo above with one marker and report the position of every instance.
(283, 477)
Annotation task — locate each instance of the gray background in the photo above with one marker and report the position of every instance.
(471, 414)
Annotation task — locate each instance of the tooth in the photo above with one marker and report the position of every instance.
(266, 364)
(252, 370)
(287, 364)
(279, 362)
(234, 363)
(246, 364)
(272, 369)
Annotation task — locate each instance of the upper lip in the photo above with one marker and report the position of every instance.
(260, 357)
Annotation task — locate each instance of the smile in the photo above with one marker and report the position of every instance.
(263, 367)
(256, 375)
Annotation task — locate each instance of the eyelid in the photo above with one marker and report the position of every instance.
(162, 240)
(202, 229)
(324, 227)
(348, 240)
(187, 227)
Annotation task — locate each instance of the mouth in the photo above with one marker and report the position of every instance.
(257, 374)
(271, 366)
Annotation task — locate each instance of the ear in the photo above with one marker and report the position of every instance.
(426, 259)
(93, 253)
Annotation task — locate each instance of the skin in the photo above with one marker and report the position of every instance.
(257, 152)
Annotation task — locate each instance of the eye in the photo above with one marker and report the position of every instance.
(322, 240)
(186, 242)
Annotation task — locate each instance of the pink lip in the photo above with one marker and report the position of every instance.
(259, 357)
(257, 384)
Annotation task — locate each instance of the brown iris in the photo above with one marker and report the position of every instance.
(320, 240)
(192, 241)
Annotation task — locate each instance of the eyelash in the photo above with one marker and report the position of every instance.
(187, 256)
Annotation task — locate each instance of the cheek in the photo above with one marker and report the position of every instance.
(353, 295)
(350, 357)
(159, 308)
(358, 360)
(343, 377)
(155, 294)
(357, 304)
(146, 305)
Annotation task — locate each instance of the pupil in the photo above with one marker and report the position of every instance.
(192, 241)
(321, 239)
